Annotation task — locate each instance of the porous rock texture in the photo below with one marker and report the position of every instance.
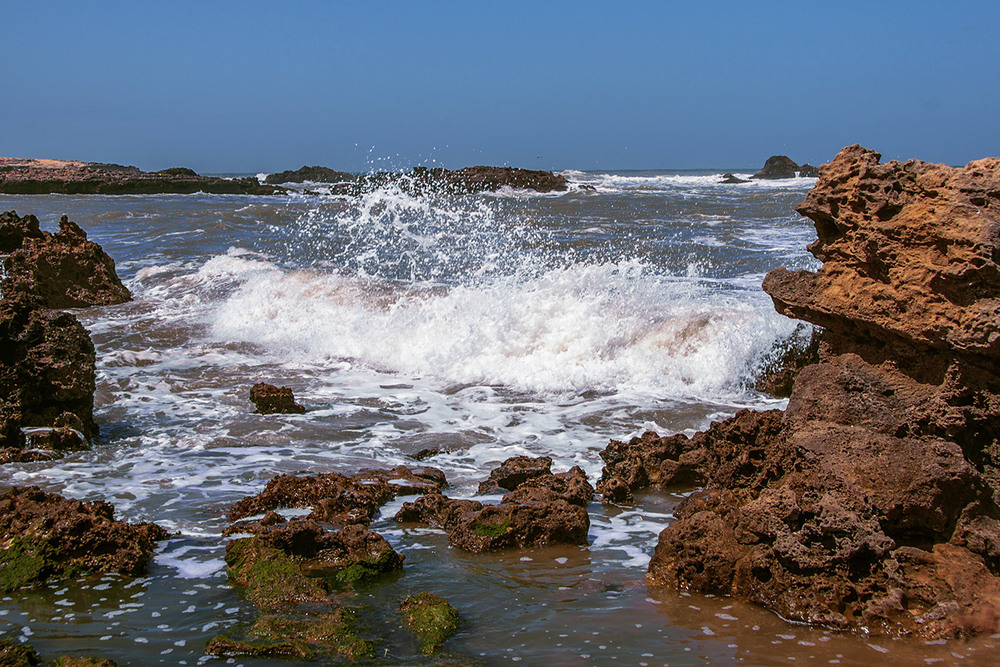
(47, 360)
(45, 535)
(271, 400)
(65, 270)
(870, 503)
(540, 509)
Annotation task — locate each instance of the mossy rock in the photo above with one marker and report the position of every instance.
(226, 646)
(430, 618)
(323, 633)
(25, 562)
(67, 661)
(361, 570)
(270, 579)
(487, 530)
(13, 654)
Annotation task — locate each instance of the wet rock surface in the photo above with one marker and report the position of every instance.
(271, 400)
(336, 498)
(870, 504)
(430, 618)
(315, 174)
(44, 536)
(64, 270)
(541, 508)
(47, 380)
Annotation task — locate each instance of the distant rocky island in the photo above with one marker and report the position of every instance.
(32, 176)
(777, 167)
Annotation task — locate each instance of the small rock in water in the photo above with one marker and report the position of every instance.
(270, 400)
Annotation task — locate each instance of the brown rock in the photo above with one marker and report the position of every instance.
(44, 535)
(64, 270)
(337, 498)
(777, 166)
(515, 471)
(47, 375)
(870, 504)
(270, 400)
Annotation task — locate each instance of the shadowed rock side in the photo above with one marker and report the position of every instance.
(777, 166)
(541, 508)
(43, 536)
(47, 360)
(37, 176)
(870, 504)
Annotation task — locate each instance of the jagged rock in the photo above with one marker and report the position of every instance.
(777, 166)
(649, 461)
(64, 270)
(270, 400)
(14, 229)
(870, 504)
(291, 563)
(540, 509)
(315, 174)
(44, 536)
(515, 471)
(806, 170)
(47, 377)
(337, 498)
(430, 618)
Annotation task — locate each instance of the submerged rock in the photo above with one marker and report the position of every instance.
(270, 400)
(870, 504)
(14, 654)
(733, 180)
(430, 618)
(45, 536)
(64, 270)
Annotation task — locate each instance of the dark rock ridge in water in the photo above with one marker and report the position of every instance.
(37, 176)
(870, 503)
(43, 535)
(422, 179)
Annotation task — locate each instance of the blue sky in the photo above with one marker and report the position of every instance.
(252, 86)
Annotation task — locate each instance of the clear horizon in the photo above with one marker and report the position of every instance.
(250, 87)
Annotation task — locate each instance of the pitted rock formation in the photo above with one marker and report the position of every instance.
(65, 270)
(540, 508)
(870, 504)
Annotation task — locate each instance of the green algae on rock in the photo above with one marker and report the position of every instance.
(430, 618)
(43, 535)
(269, 577)
(73, 661)
(13, 654)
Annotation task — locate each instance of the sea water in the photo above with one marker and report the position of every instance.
(485, 327)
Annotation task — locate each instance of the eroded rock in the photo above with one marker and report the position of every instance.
(430, 618)
(860, 505)
(270, 400)
(44, 536)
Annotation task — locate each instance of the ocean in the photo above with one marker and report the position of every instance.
(485, 327)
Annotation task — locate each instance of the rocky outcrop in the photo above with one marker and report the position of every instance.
(39, 176)
(870, 504)
(47, 380)
(336, 498)
(47, 360)
(65, 270)
(806, 170)
(541, 508)
(777, 166)
(732, 180)
(44, 536)
(313, 174)
(270, 400)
